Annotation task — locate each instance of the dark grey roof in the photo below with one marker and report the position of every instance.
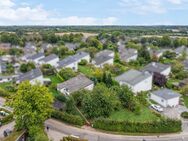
(30, 75)
(126, 53)
(101, 59)
(185, 63)
(181, 49)
(71, 59)
(49, 58)
(72, 46)
(133, 77)
(36, 56)
(46, 45)
(75, 84)
(166, 93)
(104, 53)
(156, 67)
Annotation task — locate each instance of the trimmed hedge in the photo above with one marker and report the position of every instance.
(68, 118)
(162, 126)
(184, 115)
(7, 119)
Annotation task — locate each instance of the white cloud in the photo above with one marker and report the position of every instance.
(150, 6)
(175, 1)
(24, 14)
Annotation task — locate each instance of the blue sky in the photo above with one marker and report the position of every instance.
(94, 12)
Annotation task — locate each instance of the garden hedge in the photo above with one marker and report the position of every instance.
(68, 118)
(161, 126)
(184, 115)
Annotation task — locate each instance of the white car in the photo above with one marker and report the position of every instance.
(157, 108)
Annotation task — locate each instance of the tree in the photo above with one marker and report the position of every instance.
(100, 103)
(32, 106)
(15, 51)
(47, 69)
(67, 73)
(9, 68)
(27, 67)
(165, 41)
(127, 98)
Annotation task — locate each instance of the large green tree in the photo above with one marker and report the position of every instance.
(32, 106)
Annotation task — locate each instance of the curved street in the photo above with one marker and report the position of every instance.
(59, 129)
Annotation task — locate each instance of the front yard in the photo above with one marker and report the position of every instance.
(125, 115)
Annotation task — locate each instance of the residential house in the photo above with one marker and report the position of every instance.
(4, 79)
(165, 97)
(155, 67)
(5, 46)
(2, 66)
(51, 59)
(185, 64)
(72, 61)
(156, 53)
(34, 76)
(72, 46)
(45, 47)
(29, 50)
(35, 58)
(75, 84)
(138, 81)
(127, 54)
(103, 57)
(180, 50)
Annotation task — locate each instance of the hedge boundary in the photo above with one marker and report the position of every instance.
(161, 126)
(68, 118)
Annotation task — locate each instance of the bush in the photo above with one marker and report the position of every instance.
(184, 115)
(6, 119)
(72, 139)
(162, 126)
(4, 93)
(83, 62)
(68, 118)
(61, 98)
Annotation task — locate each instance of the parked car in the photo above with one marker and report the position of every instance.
(3, 113)
(7, 132)
(157, 108)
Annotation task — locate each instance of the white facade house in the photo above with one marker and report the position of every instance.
(35, 58)
(165, 97)
(155, 67)
(34, 77)
(136, 80)
(75, 84)
(127, 54)
(51, 60)
(72, 61)
(103, 57)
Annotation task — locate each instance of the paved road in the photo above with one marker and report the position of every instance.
(93, 135)
(7, 126)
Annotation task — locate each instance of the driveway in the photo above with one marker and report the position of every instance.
(7, 126)
(60, 129)
(174, 112)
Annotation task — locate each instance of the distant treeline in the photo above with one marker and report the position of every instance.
(133, 30)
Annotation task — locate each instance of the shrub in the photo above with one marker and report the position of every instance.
(7, 119)
(83, 62)
(4, 93)
(184, 115)
(162, 126)
(72, 139)
(68, 118)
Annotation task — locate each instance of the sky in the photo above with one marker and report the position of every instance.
(93, 12)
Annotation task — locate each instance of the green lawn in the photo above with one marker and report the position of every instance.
(4, 85)
(55, 80)
(185, 100)
(146, 115)
(13, 136)
(87, 70)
